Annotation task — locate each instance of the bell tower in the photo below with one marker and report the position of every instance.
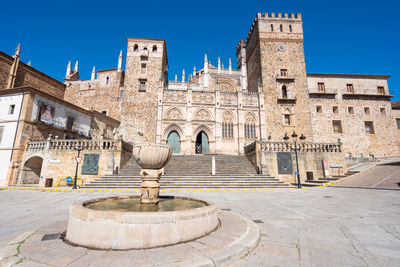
(146, 73)
(276, 65)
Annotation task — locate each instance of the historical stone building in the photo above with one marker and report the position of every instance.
(220, 110)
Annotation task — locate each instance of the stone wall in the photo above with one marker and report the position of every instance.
(310, 159)
(59, 158)
(28, 76)
(352, 111)
(101, 94)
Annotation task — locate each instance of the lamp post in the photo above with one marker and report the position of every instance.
(79, 149)
(294, 136)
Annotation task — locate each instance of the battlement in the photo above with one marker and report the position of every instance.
(273, 17)
(279, 16)
(239, 46)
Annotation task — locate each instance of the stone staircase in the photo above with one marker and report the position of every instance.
(194, 171)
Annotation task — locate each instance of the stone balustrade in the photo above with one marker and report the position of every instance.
(289, 146)
(71, 144)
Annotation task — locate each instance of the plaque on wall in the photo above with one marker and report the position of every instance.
(284, 162)
(90, 164)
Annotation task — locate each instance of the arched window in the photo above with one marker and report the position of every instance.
(272, 27)
(227, 126)
(107, 80)
(135, 47)
(284, 92)
(290, 28)
(250, 127)
(154, 48)
(281, 28)
(145, 48)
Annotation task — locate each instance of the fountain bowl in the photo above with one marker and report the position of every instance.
(152, 156)
(118, 229)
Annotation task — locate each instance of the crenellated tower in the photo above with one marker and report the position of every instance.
(276, 66)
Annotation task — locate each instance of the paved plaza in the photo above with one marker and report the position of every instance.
(353, 223)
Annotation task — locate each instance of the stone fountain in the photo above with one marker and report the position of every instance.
(131, 222)
(151, 158)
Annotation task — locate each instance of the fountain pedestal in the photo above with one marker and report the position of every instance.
(150, 186)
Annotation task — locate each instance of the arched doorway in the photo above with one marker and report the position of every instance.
(202, 143)
(31, 170)
(174, 141)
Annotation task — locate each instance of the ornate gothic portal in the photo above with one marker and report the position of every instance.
(174, 141)
(202, 143)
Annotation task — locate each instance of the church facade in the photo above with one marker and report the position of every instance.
(218, 109)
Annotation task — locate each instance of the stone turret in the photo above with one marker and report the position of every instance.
(68, 69)
(93, 77)
(120, 61)
(206, 73)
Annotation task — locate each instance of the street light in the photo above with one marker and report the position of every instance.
(79, 149)
(294, 136)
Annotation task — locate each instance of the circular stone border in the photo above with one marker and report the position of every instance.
(236, 238)
(124, 230)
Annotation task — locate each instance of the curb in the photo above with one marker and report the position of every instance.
(197, 190)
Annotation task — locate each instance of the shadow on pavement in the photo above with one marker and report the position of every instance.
(360, 187)
(397, 163)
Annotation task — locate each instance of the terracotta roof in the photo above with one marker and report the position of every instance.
(342, 75)
(396, 105)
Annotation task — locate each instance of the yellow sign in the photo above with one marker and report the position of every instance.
(62, 180)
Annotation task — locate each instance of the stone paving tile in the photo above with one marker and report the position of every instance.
(298, 220)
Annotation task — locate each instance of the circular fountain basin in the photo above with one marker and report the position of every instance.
(122, 223)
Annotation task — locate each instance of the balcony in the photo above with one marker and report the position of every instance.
(289, 99)
(287, 77)
(359, 92)
(325, 92)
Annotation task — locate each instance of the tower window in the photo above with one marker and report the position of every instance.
(383, 111)
(350, 88)
(142, 85)
(337, 126)
(284, 92)
(381, 90)
(272, 27)
(350, 110)
(287, 119)
(369, 127)
(290, 28)
(143, 69)
(335, 110)
(283, 72)
(135, 48)
(321, 87)
(121, 93)
(281, 28)
(398, 123)
(319, 109)
(367, 111)
(107, 80)
(11, 110)
(154, 48)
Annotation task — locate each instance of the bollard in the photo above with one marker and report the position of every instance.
(213, 166)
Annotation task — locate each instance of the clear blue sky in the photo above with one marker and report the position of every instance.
(340, 36)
